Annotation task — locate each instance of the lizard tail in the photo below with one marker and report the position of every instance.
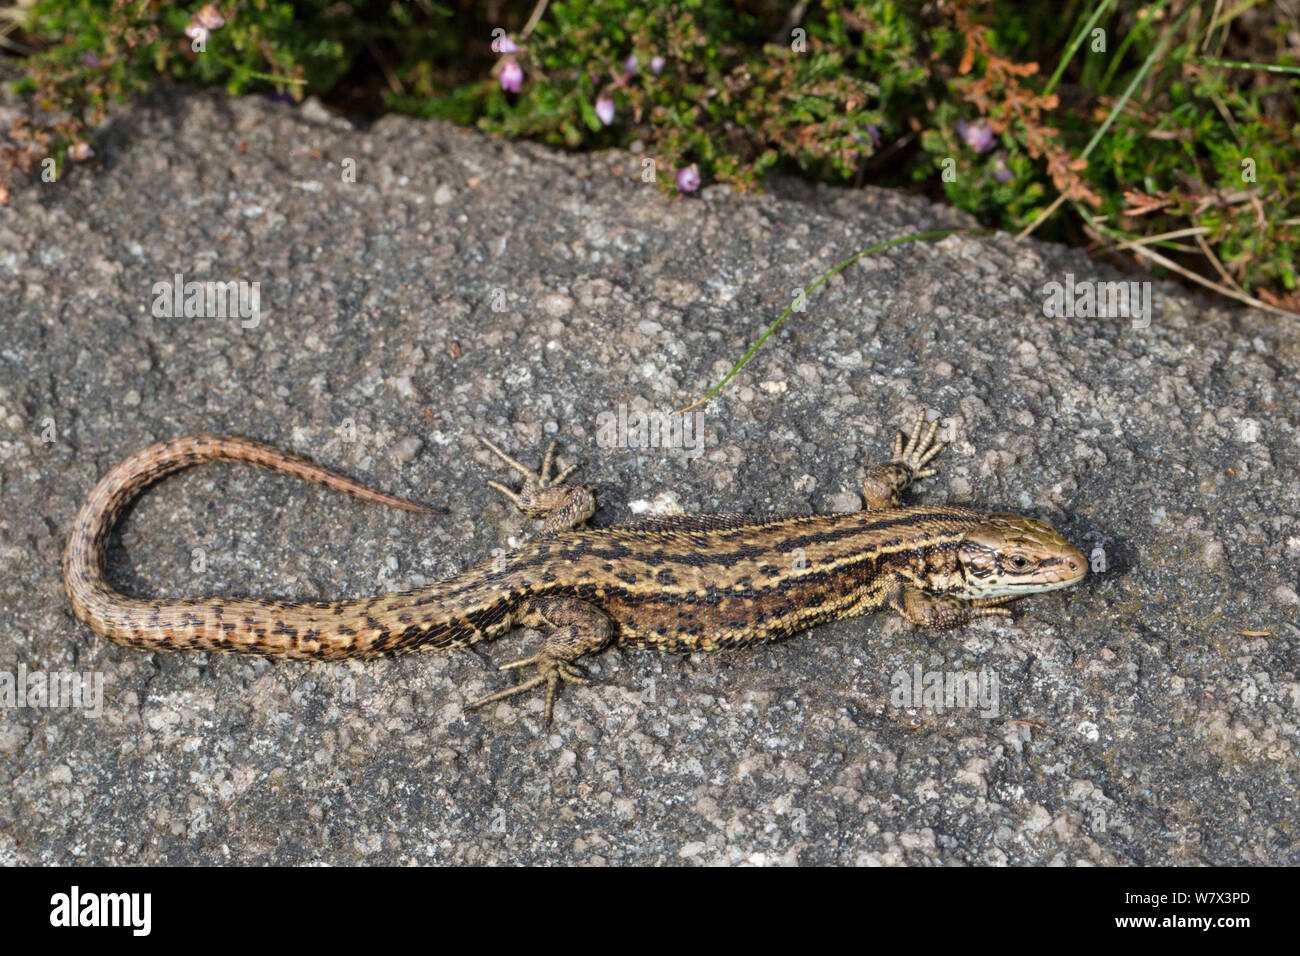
(274, 628)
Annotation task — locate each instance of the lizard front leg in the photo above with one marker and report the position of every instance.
(578, 628)
(884, 483)
(941, 611)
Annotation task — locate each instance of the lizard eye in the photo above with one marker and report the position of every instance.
(1020, 562)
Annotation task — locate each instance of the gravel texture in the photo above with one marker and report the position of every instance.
(463, 285)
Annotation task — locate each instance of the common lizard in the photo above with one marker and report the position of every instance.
(676, 583)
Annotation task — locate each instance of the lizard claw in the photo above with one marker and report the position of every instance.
(540, 478)
(550, 672)
(920, 447)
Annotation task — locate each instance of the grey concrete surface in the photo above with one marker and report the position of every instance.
(1135, 722)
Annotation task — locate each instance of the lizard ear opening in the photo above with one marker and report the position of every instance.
(978, 553)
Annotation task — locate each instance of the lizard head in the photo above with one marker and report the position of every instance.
(1009, 554)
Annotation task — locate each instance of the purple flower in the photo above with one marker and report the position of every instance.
(688, 179)
(505, 45)
(1000, 171)
(978, 136)
(873, 132)
(197, 33)
(630, 65)
(512, 76)
(605, 109)
(657, 65)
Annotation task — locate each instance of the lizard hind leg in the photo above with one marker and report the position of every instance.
(577, 628)
(561, 506)
(884, 483)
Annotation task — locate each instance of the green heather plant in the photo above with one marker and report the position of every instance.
(1166, 130)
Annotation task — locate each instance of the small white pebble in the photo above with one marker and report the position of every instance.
(406, 449)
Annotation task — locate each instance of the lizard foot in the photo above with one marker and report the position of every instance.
(943, 611)
(559, 505)
(549, 672)
(884, 483)
(919, 448)
(579, 628)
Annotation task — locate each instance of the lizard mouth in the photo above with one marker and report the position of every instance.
(1066, 568)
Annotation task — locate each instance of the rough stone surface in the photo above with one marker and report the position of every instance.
(463, 285)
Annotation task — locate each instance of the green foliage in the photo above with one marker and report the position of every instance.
(1144, 137)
